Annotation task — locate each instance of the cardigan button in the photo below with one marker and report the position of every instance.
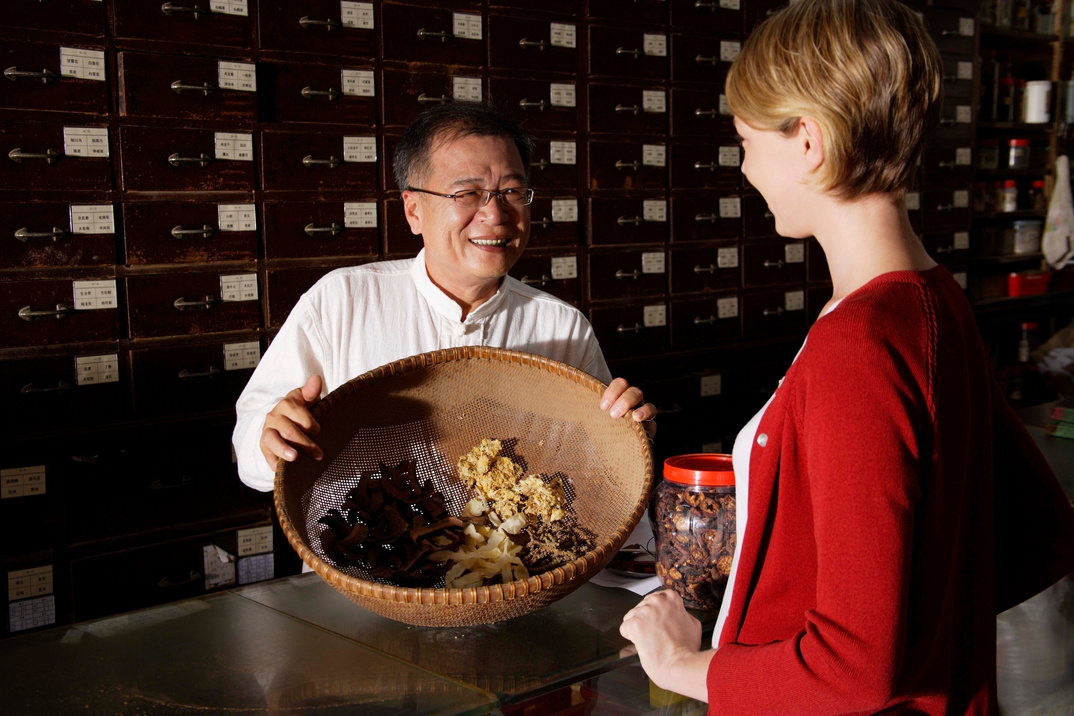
(762, 439)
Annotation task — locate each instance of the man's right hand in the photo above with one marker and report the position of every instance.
(289, 426)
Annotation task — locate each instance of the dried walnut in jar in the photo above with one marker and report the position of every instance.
(693, 517)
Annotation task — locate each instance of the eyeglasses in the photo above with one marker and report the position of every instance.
(473, 198)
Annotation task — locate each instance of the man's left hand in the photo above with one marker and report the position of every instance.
(621, 398)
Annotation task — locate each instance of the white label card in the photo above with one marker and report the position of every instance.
(563, 152)
(31, 613)
(729, 156)
(564, 35)
(730, 207)
(33, 582)
(962, 240)
(94, 370)
(960, 198)
(85, 141)
(255, 540)
(960, 279)
(654, 155)
(236, 217)
(964, 156)
(22, 482)
(92, 219)
(230, 7)
(963, 114)
(82, 64)
(95, 295)
(730, 4)
(727, 307)
(913, 201)
(360, 149)
(655, 45)
(237, 147)
(238, 287)
(794, 300)
(563, 94)
(564, 267)
(727, 257)
(654, 101)
(729, 50)
(725, 106)
(358, 83)
(466, 89)
(357, 15)
(966, 26)
(794, 253)
(360, 214)
(242, 356)
(711, 385)
(655, 210)
(653, 262)
(565, 210)
(219, 567)
(965, 71)
(654, 316)
(466, 25)
(239, 76)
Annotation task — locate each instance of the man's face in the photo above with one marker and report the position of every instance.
(468, 251)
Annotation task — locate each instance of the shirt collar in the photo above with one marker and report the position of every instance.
(444, 304)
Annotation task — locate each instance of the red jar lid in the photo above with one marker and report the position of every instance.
(1019, 143)
(705, 468)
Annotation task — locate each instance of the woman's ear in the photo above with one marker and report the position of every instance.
(812, 142)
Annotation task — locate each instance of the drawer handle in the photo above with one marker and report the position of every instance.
(946, 165)
(945, 249)
(309, 162)
(628, 165)
(526, 104)
(162, 484)
(705, 218)
(426, 99)
(633, 275)
(205, 231)
(182, 304)
(27, 313)
(329, 24)
(706, 112)
(544, 280)
(778, 311)
(710, 269)
(202, 160)
(178, 87)
(623, 109)
(950, 33)
(312, 229)
(630, 220)
(777, 264)
(51, 156)
(634, 53)
(169, 9)
(543, 222)
(25, 234)
(699, 321)
(60, 386)
(706, 5)
(711, 166)
(540, 44)
(15, 74)
(945, 207)
(331, 93)
(442, 36)
(628, 329)
(542, 165)
(706, 60)
(168, 582)
(768, 214)
(187, 374)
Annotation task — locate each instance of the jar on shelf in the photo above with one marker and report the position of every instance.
(1035, 196)
(1044, 17)
(1007, 195)
(693, 517)
(1018, 154)
(1027, 235)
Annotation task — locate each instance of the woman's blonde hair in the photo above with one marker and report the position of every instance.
(865, 70)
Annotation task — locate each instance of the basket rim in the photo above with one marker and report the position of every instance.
(439, 596)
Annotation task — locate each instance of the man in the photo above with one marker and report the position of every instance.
(463, 170)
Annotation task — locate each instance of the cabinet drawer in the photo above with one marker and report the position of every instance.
(152, 21)
(950, 247)
(189, 231)
(517, 43)
(539, 105)
(183, 304)
(705, 322)
(201, 376)
(958, 72)
(83, 17)
(306, 92)
(637, 164)
(44, 157)
(615, 220)
(627, 273)
(398, 239)
(700, 113)
(74, 387)
(316, 26)
(42, 312)
(37, 79)
(555, 221)
(39, 234)
(708, 16)
(174, 159)
(703, 59)
(774, 313)
(947, 162)
(433, 34)
(408, 94)
(307, 229)
(28, 477)
(181, 87)
(628, 110)
(554, 164)
(954, 31)
(285, 287)
(318, 161)
(757, 220)
(647, 12)
(772, 263)
(714, 267)
(628, 52)
(705, 166)
(949, 206)
(625, 331)
(706, 217)
(553, 272)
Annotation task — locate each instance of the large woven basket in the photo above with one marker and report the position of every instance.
(434, 407)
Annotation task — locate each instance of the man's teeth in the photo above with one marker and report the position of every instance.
(490, 242)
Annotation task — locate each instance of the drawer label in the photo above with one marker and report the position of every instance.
(219, 567)
(22, 482)
(961, 240)
(238, 287)
(966, 26)
(466, 26)
(960, 198)
(563, 152)
(31, 613)
(965, 71)
(729, 156)
(466, 89)
(85, 141)
(360, 149)
(727, 307)
(654, 155)
(964, 156)
(82, 64)
(729, 50)
(230, 7)
(711, 385)
(730, 4)
(94, 370)
(255, 540)
(565, 210)
(358, 83)
(913, 200)
(235, 146)
(794, 253)
(564, 267)
(727, 257)
(242, 356)
(654, 100)
(95, 295)
(730, 207)
(725, 106)
(257, 568)
(236, 217)
(654, 316)
(655, 45)
(357, 15)
(564, 35)
(652, 262)
(655, 210)
(794, 300)
(92, 219)
(563, 94)
(240, 76)
(360, 214)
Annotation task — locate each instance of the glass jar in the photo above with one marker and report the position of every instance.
(1007, 195)
(1018, 154)
(693, 517)
(1035, 196)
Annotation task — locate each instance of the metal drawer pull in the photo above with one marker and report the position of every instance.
(635, 53)
(777, 264)
(711, 166)
(544, 222)
(623, 109)
(60, 386)
(706, 5)
(27, 313)
(768, 214)
(169, 9)
(711, 268)
(950, 33)
(178, 87)
(205, 231)
(162, 484)
(544, 280)
(309, 162)
(331, 93)
(630, 220)
(705, 218)
(182, 304)
(312, 229)
(699, 321)
(944, 249)
(628, 329)
(542, 165)
(423, 33)
(202, 160)
(51, 156)
(628, 165)
(706, 60)
(944, 207)
(328, 24)
(526, 104)
(946, 165)
(706, 112)
(15, 74)
(772, 311)
(426, 99)
(186, 373)
(621, 274)
(540, 44)
(168, 582)
(25, 234)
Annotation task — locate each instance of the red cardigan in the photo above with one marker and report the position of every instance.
(866, 579)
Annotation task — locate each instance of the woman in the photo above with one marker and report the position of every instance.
(864, 574)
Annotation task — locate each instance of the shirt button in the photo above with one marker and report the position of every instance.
(762, 439)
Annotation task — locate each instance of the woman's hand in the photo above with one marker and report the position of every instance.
(668, 640)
